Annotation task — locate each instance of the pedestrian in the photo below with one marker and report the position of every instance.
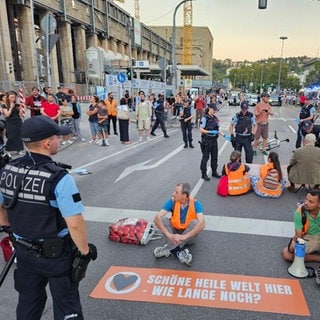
(170, 102)
(92, 112)
(14, 116)
(306, 113)
(50, 108)
(186, 123)
(161, 115)
(66, 119)
(242, 129)
(111, 104)
(76, 118)
(34, 102)
(306, 225)
(143, 116)
(262, 111)
(185, 224)
(60, 95)
(200, 105)
(123, 118)
(209, 129)
(103, 123)
(48, 233)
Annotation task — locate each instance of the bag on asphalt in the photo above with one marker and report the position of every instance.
(133, 231)
(271, 181)
(222, 187)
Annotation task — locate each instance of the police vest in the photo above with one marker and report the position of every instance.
(305, 112)
(191, 215)
(244, 124)
(160, 106)
(186, 113)
(212, 123)
(30, 214)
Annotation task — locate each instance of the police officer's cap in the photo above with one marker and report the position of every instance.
(41, 127)
(213, 106)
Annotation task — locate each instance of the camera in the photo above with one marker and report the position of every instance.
(266, 110)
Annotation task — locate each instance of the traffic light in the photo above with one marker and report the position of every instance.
(262, 4)
(9, 67)
(129, 75)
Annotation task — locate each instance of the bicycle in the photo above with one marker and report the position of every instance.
(273, 143)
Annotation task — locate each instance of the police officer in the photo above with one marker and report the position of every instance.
(306, 113)
(42, 205)
(186, 123)
(209, 129)
(244, 126)
(161, 114)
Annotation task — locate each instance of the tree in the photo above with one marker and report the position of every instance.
(314, 75)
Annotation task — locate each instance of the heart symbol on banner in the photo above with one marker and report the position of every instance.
(121, 282)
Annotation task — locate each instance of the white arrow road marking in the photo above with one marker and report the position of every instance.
(142, 165)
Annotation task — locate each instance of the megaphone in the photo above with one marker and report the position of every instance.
(298, 268)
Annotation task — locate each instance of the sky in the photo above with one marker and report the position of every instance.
(240, 30)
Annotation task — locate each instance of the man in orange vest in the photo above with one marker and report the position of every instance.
(185, 223)
(112, 112)
(306, 224)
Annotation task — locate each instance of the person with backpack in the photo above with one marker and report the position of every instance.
(270, 183)
(306, 224)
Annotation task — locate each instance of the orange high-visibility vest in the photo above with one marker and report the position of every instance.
(191, 214)
(238, 181)
(263, 172)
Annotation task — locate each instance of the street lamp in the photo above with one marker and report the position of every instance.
(173, 51)
(280, 66)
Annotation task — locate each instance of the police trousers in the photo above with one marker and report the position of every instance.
(186, 128)
(245, 142)
(209, 149)
(31, 277)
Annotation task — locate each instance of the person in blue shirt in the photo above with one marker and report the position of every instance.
(41, 205)
(185, 223)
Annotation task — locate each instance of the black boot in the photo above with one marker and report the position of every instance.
(216, 175)
(191, 145)
(185, 145)
(205, 177)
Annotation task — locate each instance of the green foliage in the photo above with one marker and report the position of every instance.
(314, 75)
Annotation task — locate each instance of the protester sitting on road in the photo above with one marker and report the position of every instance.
(304, 167)
(270, 183)
(238, 178)
(306, 224)
(186, 222)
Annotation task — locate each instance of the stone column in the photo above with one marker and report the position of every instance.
(5, 44)
(80, 48)
(66, 52)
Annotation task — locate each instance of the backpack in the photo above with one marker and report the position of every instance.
(271, 181)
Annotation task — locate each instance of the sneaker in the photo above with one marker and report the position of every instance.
(185, 256)
(83, 139)
(74, 138)
(107, 143)
(162, 252)
(148, 139)
(140, 139)
(92, 141)
(265, 152)
(254, 152)
(63, 143)
(99, 142)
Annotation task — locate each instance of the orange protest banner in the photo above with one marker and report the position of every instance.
(212, 290)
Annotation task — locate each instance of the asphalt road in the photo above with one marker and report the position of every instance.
(242, 240)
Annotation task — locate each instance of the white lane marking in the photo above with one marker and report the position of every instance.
(260, 227)
(293, 130)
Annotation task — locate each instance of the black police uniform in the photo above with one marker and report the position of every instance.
(304, 114)
(209, 146)
(160, 118)
(243, 131)
(44, 249)
(186, 127)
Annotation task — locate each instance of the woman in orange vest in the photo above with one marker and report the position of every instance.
(238, 177)
(270, 183)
